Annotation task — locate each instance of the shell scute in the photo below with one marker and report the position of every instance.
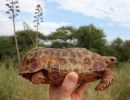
(34, 60)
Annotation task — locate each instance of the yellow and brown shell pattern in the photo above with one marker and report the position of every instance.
(79, 60)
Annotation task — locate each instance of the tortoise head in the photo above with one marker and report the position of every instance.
(110, 60)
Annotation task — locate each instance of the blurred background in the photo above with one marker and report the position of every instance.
(100, 26)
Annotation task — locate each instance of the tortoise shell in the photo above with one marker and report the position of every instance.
(56, 63)
(79, 60)
(50, 66)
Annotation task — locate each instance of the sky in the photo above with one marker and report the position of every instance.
(112, 16)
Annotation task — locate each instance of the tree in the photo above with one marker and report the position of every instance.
(26, 38)
(13, 12)
(91, 38)
(63, 35)
(126, 51)
(121, 49)
(58, 44)
(37, 20)
(7, 47)
(117, 45)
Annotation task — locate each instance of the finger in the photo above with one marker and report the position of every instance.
(69, 84)
(80, 90)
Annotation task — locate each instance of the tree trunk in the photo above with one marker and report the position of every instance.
(37, 35)
(16, 41)
(37, 29)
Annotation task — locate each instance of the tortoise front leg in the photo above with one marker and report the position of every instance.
(38, 78)
(106, 80)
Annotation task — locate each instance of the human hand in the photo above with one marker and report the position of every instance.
(68, 90)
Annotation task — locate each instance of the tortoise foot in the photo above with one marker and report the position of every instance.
(38, 78)
(106, 80)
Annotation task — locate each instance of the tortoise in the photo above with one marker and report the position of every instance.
(50, 65)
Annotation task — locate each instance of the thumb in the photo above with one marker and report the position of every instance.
(69, 84)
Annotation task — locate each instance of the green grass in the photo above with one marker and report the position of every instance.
(120, 89)
(14, 87)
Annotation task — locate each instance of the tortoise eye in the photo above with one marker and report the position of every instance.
(112, 59)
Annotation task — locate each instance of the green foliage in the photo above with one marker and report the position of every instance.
(64, 36)
(126, 51)
(91, 37)
(7, 46)
(27, 38)
(26, 41)
(121, 49)
(57, 44)
(117, 46)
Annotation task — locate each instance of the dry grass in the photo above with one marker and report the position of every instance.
(14, 87)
